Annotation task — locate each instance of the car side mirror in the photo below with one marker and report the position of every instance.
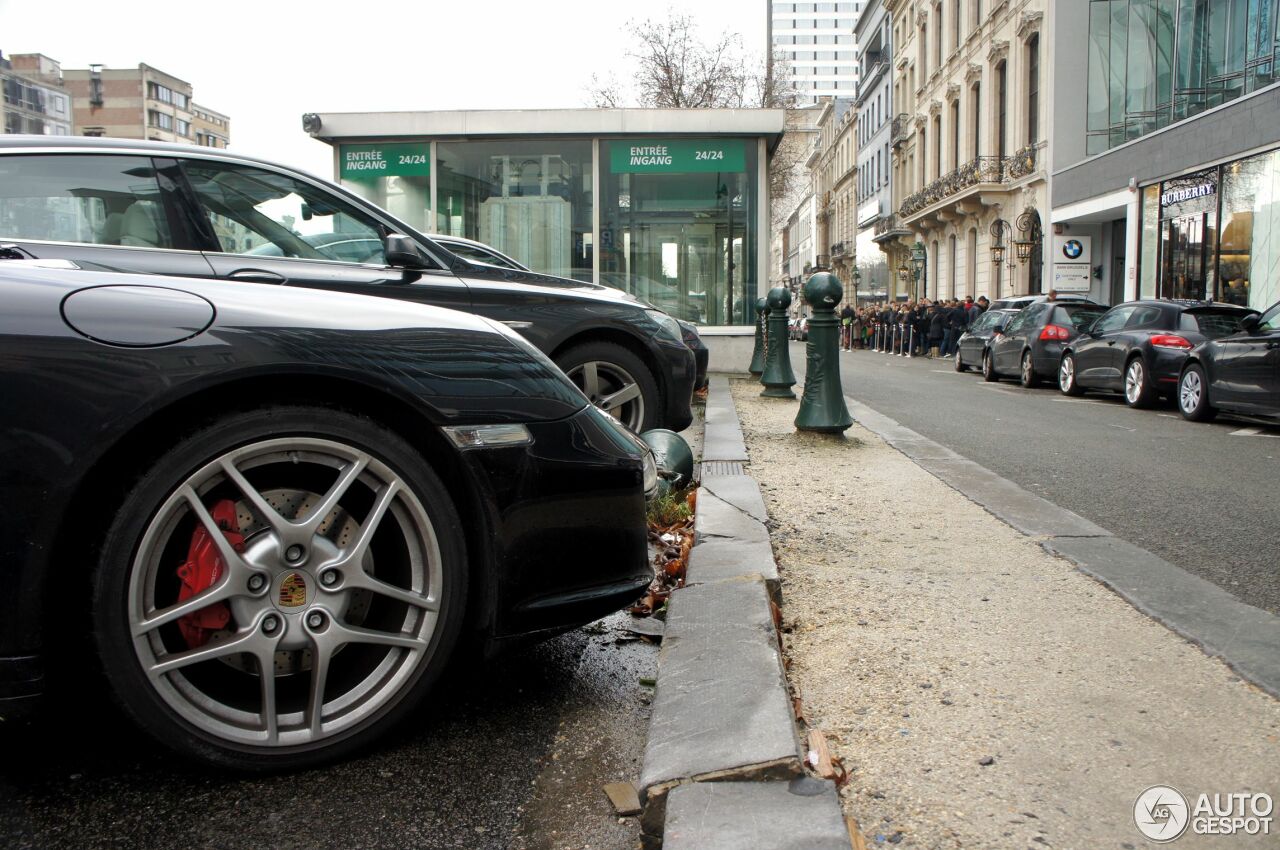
(402, 252)
(1249, 324)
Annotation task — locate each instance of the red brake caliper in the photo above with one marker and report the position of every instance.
(203, 568)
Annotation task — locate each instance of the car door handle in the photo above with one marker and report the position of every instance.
(1273, 345)
(257, 276)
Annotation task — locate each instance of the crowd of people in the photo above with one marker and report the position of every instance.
(929, 328)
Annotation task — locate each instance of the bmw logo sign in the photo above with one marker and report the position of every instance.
(1072, 249)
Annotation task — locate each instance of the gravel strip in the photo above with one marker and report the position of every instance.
(981, 692)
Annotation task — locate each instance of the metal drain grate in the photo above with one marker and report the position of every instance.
(721, 467)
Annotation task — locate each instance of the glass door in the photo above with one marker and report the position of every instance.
(1185, 256)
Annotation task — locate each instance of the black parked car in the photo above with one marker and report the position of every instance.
(272, 513)
(1138, 348)
(1239, 373)
(976, 338)
(200, 212)
(1032, 341)
(482, 253)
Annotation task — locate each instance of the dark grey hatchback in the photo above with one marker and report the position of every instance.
(156, 208)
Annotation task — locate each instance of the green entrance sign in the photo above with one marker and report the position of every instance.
(369, 162)
(676, 156)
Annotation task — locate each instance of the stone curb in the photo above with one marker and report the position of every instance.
(722, 714)
(803, 814)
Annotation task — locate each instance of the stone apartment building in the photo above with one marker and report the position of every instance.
(832, 164)
(142, 103)
(968, 138)
(35, 98)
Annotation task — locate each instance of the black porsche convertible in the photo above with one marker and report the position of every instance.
(272, 513)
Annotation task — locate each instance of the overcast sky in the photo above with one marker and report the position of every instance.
(266, 62)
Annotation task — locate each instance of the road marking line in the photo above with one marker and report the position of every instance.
(1247, 432)
(1121, 427)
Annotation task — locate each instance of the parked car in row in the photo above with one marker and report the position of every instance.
(481, 253)
(157, 208)
(1238, 372)
(1031, 342)
(971, 349)
(274, 512)
(1019, 302)
(1139, 348)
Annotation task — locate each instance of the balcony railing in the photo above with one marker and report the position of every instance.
(1023, 162)
(887, 224)
(837, 250)
(982, 169)
(823, 262)
(900, 129)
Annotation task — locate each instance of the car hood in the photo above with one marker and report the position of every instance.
(547, 284)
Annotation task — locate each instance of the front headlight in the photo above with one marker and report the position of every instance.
(650, 474)
(627, 438)
(669, 326)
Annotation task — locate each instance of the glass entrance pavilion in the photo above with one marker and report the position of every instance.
(671, 205)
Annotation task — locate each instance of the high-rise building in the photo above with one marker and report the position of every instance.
(815, 42)
(1166, 149)
(140, 103)
(35, 100)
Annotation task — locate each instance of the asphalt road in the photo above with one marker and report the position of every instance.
(1201, 496)
(512, 754)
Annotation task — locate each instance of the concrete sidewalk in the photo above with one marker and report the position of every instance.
(982, 692)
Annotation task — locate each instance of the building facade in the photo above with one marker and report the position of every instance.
(212, 129)
(137, 103)
(670, 205)
(833, 168)
(968, 137)
(1166, 152)
(878, 256)
(35, 99)
(815, 41)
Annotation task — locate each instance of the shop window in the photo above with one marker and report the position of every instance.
(530, 200)
(1249, 246)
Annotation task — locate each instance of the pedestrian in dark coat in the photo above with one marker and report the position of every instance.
(937, 329)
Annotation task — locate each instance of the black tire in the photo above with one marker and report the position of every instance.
(960, 365)
(1138, 391)
(1193, 394)
(616, 368)
(989, 367)
(1068, 383)
(1027, 372)
(280, 446)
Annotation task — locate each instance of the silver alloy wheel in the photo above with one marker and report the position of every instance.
(1189, 391)
(612, 389)
(1067, 374)
(1133, 381)
(1027, 369)
(322, 635)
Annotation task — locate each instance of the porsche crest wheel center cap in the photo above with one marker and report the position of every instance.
(292, 591)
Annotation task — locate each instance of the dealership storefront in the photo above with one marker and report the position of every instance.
(670, 205)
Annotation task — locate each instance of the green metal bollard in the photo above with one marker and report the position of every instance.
(778, 379)
(757, 355)
(822, 407)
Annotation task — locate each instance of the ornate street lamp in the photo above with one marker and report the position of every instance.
(1028, 227)
(999, 231)
(918, 267)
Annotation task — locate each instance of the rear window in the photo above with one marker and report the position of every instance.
(1080, 316)
(1212, 323)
